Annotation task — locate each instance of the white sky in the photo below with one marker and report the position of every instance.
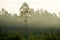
(14, 5)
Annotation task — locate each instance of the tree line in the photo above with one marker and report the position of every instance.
(29, 16)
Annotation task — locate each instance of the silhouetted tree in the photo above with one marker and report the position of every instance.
(15, 15)
(25, 12)
(41, 11)
(4, 12)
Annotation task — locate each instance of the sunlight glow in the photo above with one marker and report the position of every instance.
(13, 5)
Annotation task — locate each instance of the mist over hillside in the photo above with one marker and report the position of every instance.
(35, 20)
(30, 18)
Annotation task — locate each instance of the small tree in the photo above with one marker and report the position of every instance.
(4, 12)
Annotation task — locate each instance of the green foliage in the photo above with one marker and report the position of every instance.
(30, 36)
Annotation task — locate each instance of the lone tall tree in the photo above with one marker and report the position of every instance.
(25, 12)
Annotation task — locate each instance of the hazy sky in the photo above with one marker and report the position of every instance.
(13, 5)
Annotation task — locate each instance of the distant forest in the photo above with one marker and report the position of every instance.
(29, 24)
(29, 17)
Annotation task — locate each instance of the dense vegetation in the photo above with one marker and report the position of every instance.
(29, 25)
(17, 35)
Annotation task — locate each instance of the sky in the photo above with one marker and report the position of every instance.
(13, 5)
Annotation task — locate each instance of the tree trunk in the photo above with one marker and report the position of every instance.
(25, 21)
